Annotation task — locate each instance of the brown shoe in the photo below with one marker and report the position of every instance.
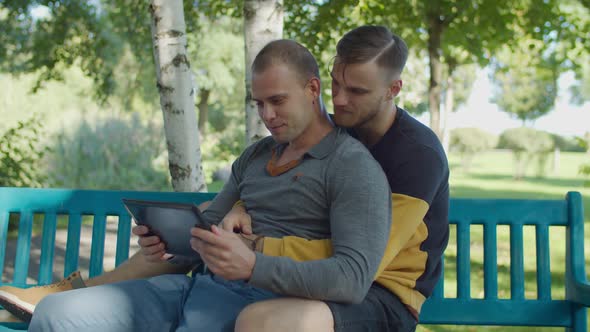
(21, 302)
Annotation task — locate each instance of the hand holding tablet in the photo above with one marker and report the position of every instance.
(171, 222)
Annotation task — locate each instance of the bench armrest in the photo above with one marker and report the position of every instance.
(580, 292)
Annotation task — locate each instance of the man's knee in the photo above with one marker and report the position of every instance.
(285, 315)
(252, 318)
(49, 312)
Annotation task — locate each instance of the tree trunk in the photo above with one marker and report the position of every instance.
(263, 22)
(175, 85)
(435, 30)
(449, 105)
(203, 111)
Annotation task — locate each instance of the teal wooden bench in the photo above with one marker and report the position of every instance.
(460, 310)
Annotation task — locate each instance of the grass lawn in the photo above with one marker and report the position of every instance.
(490, 176)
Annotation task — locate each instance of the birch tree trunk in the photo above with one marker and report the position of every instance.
(263, 22)
(175, 85)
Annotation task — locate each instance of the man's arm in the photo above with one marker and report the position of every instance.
(360, 218)
(407, 214)
(413, 193)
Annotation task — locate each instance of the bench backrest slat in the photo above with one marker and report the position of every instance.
(99, 226)
(23, 246)
(508, 211)
(463, 261)
(516, 262)
(543, 265)
(47, 248)
(123, 232)
(4, 215)
(490, 260)
(73, 243)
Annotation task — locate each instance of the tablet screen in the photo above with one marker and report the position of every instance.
(171, 222)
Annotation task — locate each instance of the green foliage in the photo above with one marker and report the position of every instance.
(584, 143)
(470, 141)
(21, 152)
(220, 149)
(581, 89)
(567, 144)
(109, 152)
(527, 144)
(526, 83)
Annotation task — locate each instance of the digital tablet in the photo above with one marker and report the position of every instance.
(171, 222)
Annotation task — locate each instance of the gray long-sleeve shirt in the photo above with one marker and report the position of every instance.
(337, 191)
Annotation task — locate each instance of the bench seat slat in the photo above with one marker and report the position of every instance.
(500, 312)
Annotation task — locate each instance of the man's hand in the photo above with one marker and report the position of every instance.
(152, 247)
(225, 254)
(237, 220)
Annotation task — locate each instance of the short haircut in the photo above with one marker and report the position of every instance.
(372, 42)
(290, 53)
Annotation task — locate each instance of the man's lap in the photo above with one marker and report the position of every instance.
(379, 311)
(169, 302)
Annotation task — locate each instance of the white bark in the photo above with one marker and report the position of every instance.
(176, 89)
(263, 22)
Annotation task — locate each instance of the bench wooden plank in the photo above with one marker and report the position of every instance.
(23, 247)
(123, 232)
(99, 225)
(73, 243)
(490, 261)
(543, 262)
(498, 312)
(47, 248)
(463, 261)
(508, 211)
(516, 262)
(4, 216)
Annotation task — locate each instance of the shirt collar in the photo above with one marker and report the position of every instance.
(321, 149)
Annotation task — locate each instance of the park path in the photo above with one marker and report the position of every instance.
(60, 249)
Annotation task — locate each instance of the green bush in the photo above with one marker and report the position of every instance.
(109, 152)
(527, 145)
(584, 143)
(220, 148)
(21, 152)
(566, 144)
(470, 141)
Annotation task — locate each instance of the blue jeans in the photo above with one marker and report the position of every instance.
(163, 303)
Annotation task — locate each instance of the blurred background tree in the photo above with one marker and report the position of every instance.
(102, 53)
